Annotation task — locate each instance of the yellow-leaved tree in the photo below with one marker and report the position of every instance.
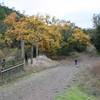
(79, 40)
(33, 31)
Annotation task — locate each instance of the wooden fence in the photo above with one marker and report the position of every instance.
(11, 72)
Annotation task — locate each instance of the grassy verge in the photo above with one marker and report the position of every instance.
(74, 94)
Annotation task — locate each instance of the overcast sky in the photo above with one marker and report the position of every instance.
(78, 11)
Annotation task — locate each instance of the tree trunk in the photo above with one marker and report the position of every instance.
(32, 51)
(36, 50)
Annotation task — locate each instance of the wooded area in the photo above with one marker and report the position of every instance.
(29, 36)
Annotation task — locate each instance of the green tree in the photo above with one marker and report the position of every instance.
(96, 35)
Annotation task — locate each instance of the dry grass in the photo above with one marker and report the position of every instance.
(95, 70)
(89, 80)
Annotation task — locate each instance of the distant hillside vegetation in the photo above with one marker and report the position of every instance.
(4, 11)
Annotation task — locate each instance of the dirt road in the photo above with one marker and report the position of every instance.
(41, 86)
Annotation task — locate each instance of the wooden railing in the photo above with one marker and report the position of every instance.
(11, 72)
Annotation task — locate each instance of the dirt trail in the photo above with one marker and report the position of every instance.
(43, 85)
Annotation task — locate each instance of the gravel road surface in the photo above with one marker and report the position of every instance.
(41, 86)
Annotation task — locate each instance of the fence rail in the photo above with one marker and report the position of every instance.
(8, 69)
(11, 72)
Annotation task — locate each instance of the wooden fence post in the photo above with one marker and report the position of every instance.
(22, 49)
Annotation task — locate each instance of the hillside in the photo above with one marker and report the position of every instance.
(4, 11)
